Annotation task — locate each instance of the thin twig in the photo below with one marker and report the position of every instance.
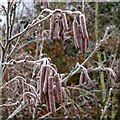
(51, 112)
(107, 104)
(76, 70)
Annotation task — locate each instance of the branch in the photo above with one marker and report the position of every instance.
(10, 105)
(107, 104)
(51, 112)
(29, 27)
(102, 41)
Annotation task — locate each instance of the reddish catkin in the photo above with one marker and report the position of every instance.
(58, 88)
(64, 21)
(65, 96)
(42, 78)
(51, 95)
(87, 78)
(61, 30)
(76, 34)
(83, 26)
(52, 26)
(84, 45)
(57, 29)
(45, 86)
(81, 79)
(47, 101)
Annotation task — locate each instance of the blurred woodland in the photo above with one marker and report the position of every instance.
(46, 73)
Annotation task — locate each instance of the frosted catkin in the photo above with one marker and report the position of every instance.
(51, 95)
(42, 78)
(81, 78)
(76, 34)
(84, 33)
(65, 96)
(45, 86)
(83, 26)
(84, 45)
(58, 88)
(64, 21)
(61, 30)
(52, 26)
(57, 29)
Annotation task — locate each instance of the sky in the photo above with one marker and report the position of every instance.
(4, 2)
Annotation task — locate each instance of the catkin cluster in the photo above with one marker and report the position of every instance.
(80, 33)
(50, 79)
(58, 27)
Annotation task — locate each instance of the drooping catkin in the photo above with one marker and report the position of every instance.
(52, 26)
(87, 78)
(57, 29)
(81, 78)
(47, 101)
(112, 75)
(83, 26)
(76, 34)
(84, 33)
(64, 21)
(42, 78)
(61, 30)
(84, 45)
(51, 95)
(58, 88)
(65, 96)
(45, 86)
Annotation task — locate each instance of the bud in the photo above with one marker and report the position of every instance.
(51, 95)
(76, 34)
(42, 78)
(52, 26)
(64, 21)
(83, 26)
(58, 88)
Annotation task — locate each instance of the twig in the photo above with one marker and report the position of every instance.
(13, 48)
(107, 104)
(10, 105)
(29, 27)
(51, 112)
(76, 70)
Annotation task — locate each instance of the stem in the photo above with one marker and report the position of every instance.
(1, 55)
(102, 82)
(113, 112)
